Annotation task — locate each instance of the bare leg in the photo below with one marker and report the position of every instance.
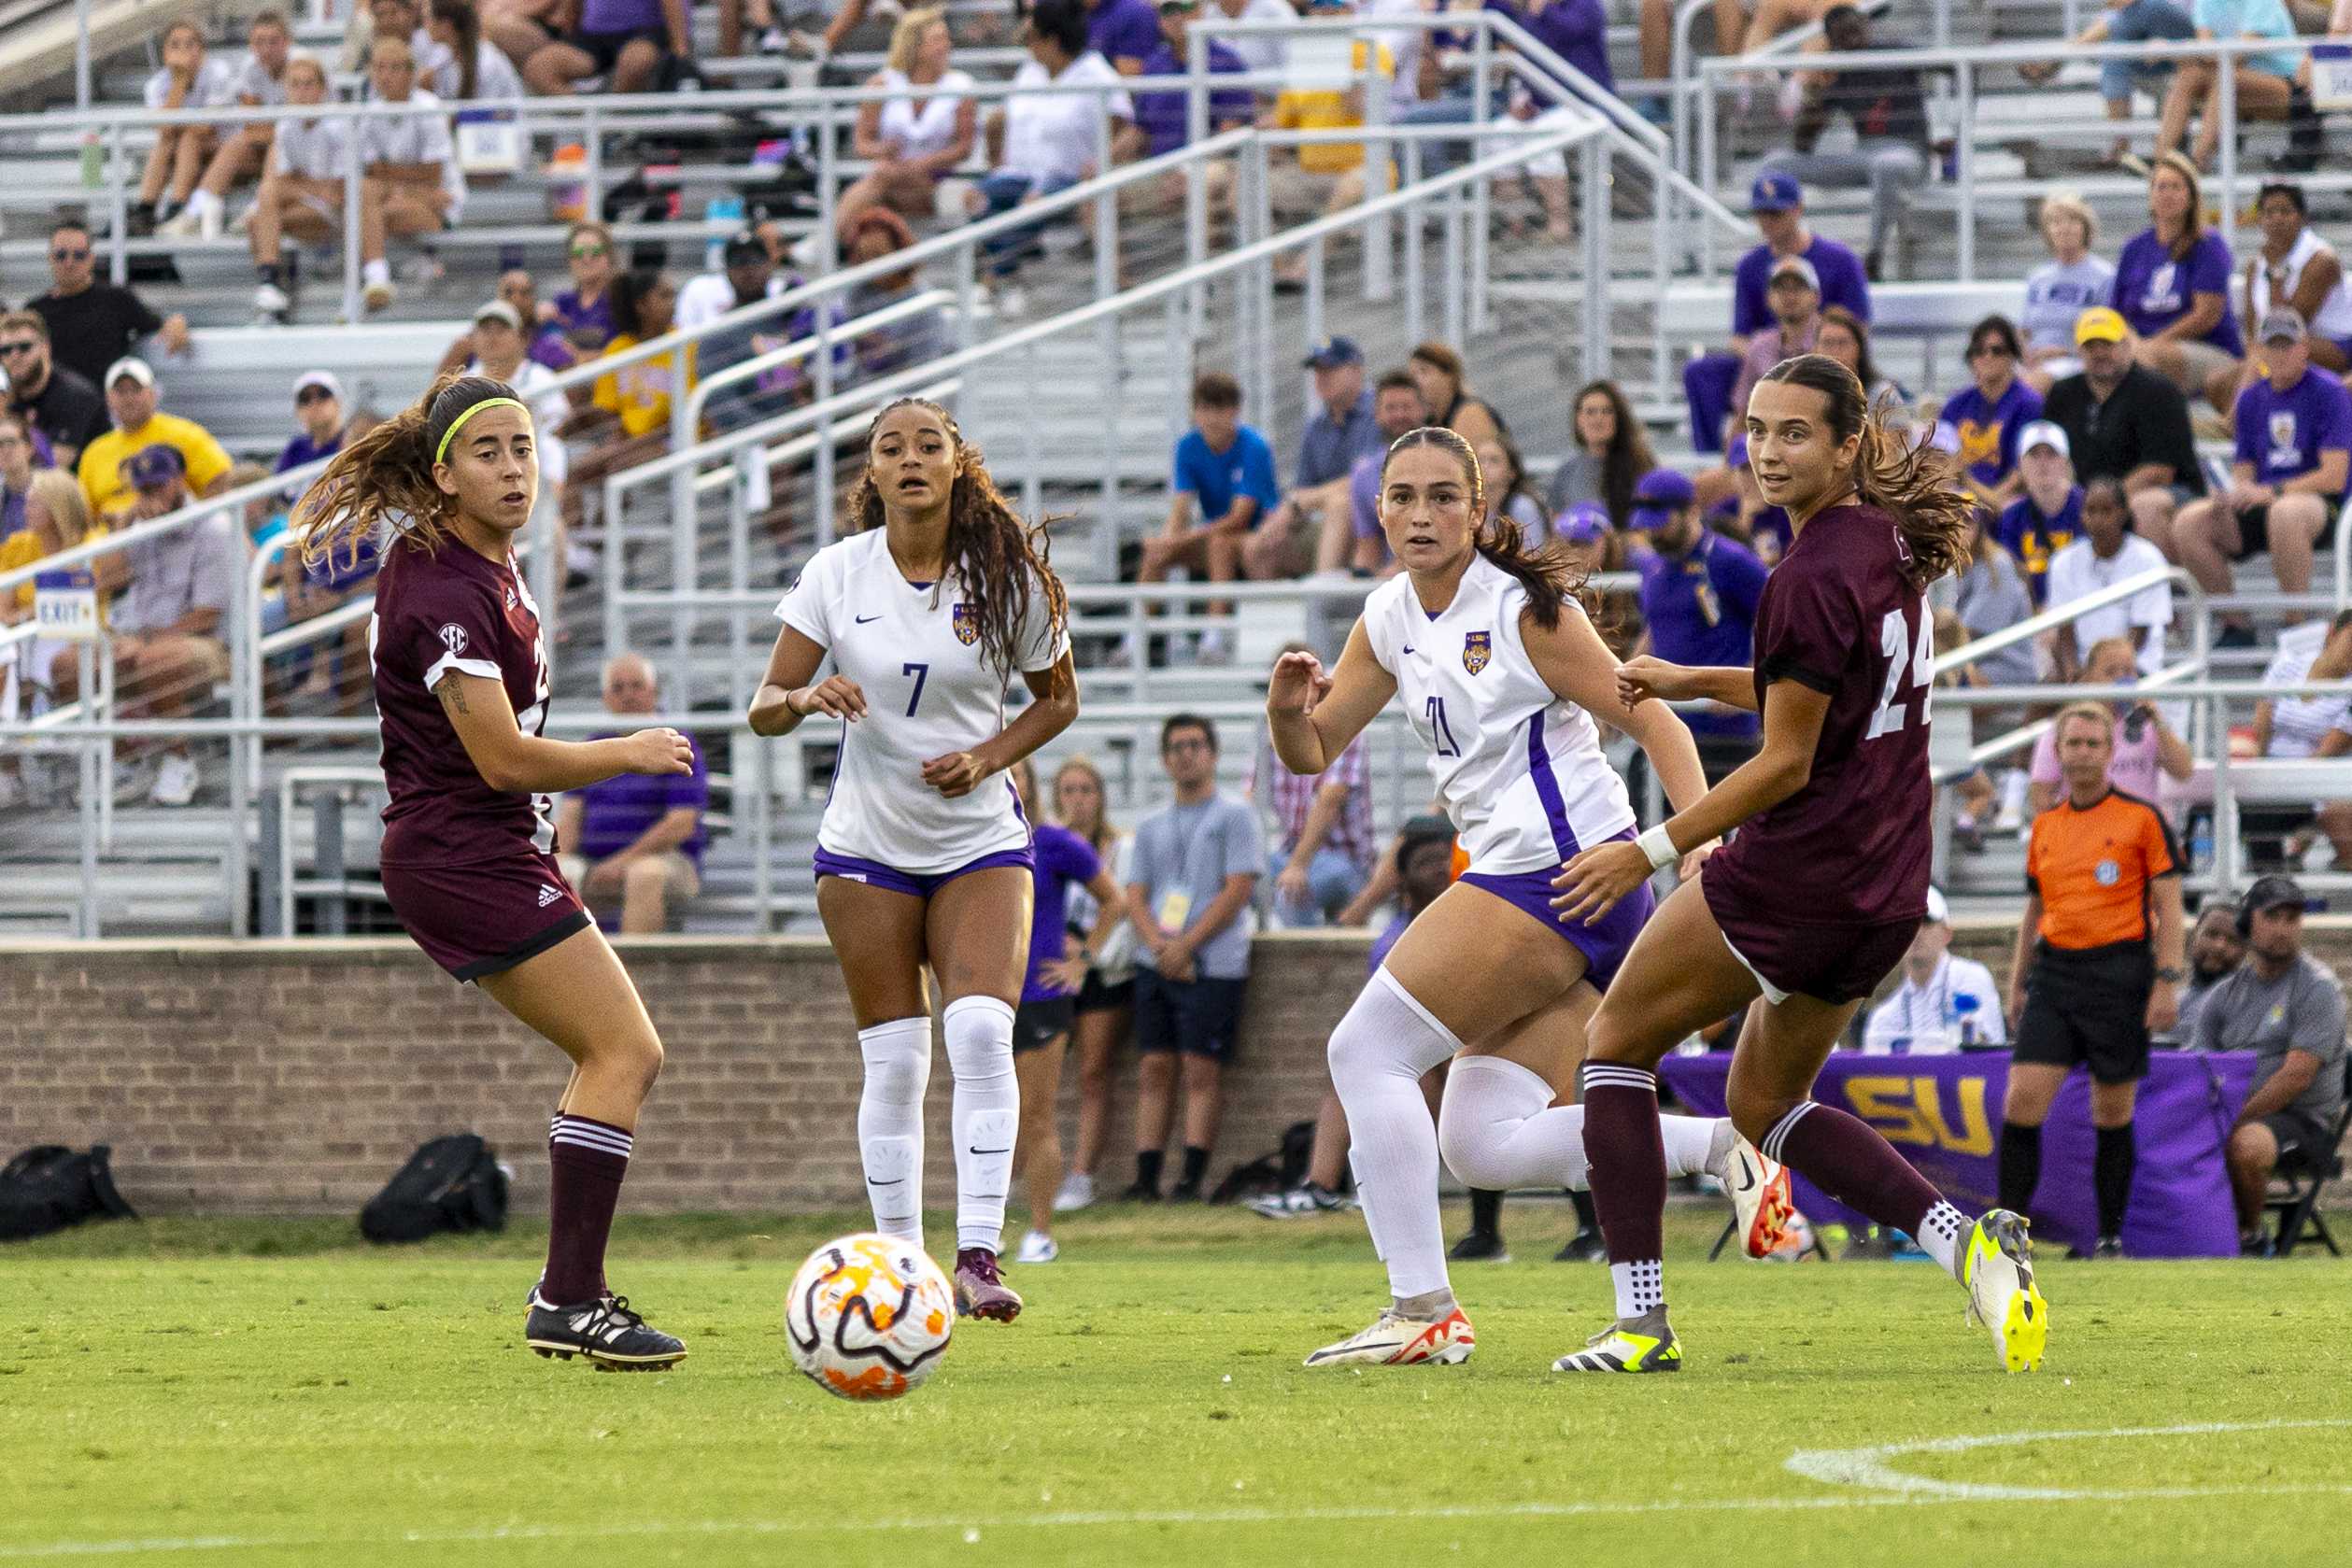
(1040, 1141)
(1099, 1034)
(1204, 1100)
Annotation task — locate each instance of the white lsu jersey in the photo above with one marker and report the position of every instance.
(913, 649)
(1518, 770)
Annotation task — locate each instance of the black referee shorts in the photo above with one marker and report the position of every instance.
(2089, 1007)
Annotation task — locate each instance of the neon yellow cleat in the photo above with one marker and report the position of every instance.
(1998, 1270)
(1643, 1344)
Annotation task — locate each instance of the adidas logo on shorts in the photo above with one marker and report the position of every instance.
(547, 896)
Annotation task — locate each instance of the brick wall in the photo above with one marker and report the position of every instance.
(295, 1077)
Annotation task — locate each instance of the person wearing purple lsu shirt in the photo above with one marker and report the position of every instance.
(637, 839)
(2294, 430)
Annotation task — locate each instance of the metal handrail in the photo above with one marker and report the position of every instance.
(2074, 610)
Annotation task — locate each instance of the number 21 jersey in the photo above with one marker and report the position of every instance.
(915, 650)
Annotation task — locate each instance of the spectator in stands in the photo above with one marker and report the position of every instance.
(622, 41)
(2108, 553)
(922, 132)
(1768, 19)
(401, 18)
(1438, 368)
(1944, 1004)
(1699, 592)
(2263, 84)
(1263, 51)
(2047, 513)
(1610, 455)
(746, 276)
(58, 404)
(2145, 749)
(1124, 31)
(410, 184)
(732, 14)
(2059, 290)
(302, 188)
(2171, 285)
(1584, 536)
(1323, 840)
(164, 627)
(1323, 177)
(56, 519)
(188, 79)
(1846, 338)
(1398, 406)
(1046, 142)
(627, 419)
(259, 81)
(2125, 21)
(1778, 203)
(498, 353)
(309, 589)
(1987, 418)
(1795, 297)
(1105, 1003)
(2294, 450)
(1888, 108)
(1163, 120)
(1195, 870)
(93, 324)
(1227, 470)
(1341, 429)
(475, 68)
(547, 348)
(1992, 597)
(1509, 491)
(583, 314)
(16, 473)
(2307, 726)
(130, 399)
(2124, 422)
(635, 840)
(2288, 1007)
(2295, 268)
(2214, 951)
(911, 340)
(318, 409)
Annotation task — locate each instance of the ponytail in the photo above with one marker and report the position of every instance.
(1546, 575)
(385, 478)
(1915, 485)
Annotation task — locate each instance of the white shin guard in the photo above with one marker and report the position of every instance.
(1378, 1053)
(898, 1059)
(986, 1116)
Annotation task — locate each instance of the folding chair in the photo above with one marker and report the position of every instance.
(2295, 1199)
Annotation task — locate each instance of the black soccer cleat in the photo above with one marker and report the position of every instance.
(1585, 1247)
(605, 1331)
(1479, 1246)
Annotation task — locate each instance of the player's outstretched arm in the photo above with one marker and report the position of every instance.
(1312, 715)
(1646, 676)
(785, 696)
(508, 759)
(1577, 666)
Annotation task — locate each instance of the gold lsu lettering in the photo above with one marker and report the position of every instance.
(1906, 1110)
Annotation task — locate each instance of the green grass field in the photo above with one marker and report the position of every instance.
(274, 1393)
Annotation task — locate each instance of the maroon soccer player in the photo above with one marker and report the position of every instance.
(1818, 895)
(469, 840)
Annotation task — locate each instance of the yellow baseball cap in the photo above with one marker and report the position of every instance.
(2100, 325)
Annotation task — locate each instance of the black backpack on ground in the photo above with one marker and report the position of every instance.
(1278, 1172)
(51, 1187)
(451, 1183)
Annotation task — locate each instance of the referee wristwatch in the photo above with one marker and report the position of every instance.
(2172, 976)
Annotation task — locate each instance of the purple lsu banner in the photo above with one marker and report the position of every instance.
(1942, 1114)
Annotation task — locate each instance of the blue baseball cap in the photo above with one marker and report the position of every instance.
(1332, 352)
(1661, 494)
(1775, 192)
(151, 466)
(1581, 524)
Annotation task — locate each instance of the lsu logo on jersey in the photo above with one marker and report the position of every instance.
(966, 625)
(1478, 647)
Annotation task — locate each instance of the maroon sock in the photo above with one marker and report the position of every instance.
(586, 1161)
(1845, 1158)
(1628, 1159)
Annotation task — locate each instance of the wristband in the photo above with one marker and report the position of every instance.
(1654, 843)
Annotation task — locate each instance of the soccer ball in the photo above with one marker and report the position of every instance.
(869, 1317)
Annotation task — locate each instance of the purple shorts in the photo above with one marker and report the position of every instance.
(918, 884)
(486, 917)
(1828, 963)
(1604, 942)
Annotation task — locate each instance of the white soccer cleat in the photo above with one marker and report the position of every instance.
(1078, 1191)
(1396, 1340)
(1998, 1270)
(1037, 1247)
(1760, 1201)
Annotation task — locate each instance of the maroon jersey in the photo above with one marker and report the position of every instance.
(1852, 847)
(437, 612)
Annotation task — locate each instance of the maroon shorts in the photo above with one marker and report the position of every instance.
(488, 916)
(1829, 963)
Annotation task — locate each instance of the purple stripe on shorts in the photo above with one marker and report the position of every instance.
(1604, 942)
(1556, 810)
(918, 884)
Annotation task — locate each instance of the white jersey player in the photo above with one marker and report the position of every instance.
(927, 612)
(1499, 672)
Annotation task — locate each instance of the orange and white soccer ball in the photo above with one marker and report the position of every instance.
(869, 1317)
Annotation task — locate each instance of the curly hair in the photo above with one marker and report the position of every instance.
(1545, 573)
(1914, 485)
(989, 547)
(384, 477)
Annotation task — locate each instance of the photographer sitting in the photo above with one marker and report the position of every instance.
(2144, 744)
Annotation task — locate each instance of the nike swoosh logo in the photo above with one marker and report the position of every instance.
(1748, 1176)
(1408, 647)
(861, 620)
(1005, 1151)
(895, 1181)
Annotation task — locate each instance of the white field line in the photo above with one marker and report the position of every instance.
(1868, 1467)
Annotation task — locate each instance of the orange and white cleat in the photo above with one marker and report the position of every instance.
(1759, 1198)
(1395, 1340)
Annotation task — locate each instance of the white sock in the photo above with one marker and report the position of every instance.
(1690, 1142)
(1941, 1232)
(986, 1115)
(377, 271)
(1640, 1287)
(890, 1123)
(202, 202)
(1378, 1053)
(1499, 1129)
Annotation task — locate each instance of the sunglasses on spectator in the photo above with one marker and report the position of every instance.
(582, 252)
(21, 346)
(61, 254)
(309, 395)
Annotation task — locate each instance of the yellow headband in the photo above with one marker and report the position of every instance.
(441, 452)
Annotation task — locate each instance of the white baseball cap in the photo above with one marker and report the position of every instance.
(322, 379)
(2044, 433)
(132, 366)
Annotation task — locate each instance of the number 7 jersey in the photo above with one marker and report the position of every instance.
(1852, 847)
(1518, 768)
(915, 650)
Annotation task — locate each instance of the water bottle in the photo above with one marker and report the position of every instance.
(2201, 843)
(94, 162)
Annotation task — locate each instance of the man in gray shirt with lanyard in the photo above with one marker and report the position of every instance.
(1196, 868)
(2283, 1005)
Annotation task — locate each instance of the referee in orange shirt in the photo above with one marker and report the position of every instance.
(2097, 966)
